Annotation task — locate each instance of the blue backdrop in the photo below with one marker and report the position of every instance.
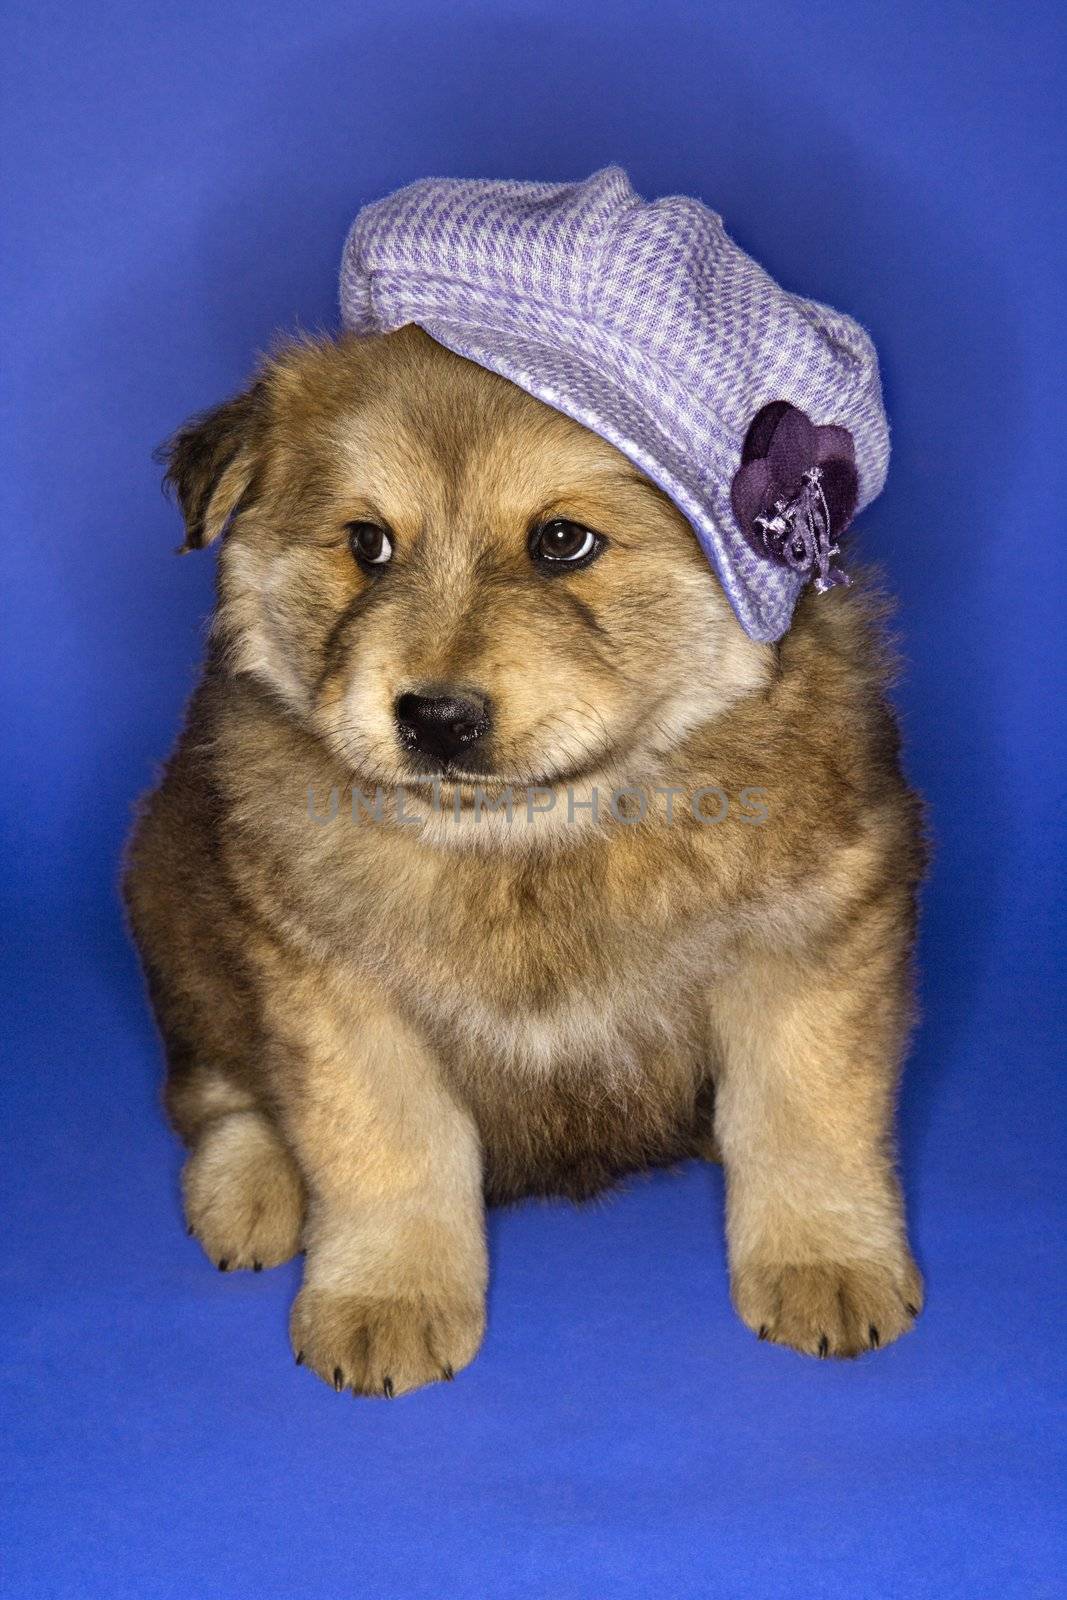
(177, 182)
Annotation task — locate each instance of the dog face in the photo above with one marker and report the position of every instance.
(440, 576)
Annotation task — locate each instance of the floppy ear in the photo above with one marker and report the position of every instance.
(211, 462)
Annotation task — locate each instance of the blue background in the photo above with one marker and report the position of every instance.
(177, 182)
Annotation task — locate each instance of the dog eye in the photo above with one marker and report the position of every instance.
(369, 543)
(564, 544)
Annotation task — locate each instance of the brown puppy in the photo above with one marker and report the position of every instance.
(411, 948)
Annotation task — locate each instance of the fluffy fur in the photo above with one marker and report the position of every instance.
(374, 1024)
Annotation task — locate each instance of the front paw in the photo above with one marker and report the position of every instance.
(385, 1346)
(244, 1199)
(829, 1308)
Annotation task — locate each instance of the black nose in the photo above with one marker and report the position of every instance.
(442, 725)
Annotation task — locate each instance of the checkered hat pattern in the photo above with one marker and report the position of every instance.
(641, 320)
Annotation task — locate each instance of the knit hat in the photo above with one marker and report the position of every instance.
(758, 412)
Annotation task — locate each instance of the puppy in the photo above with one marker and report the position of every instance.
(437, 899)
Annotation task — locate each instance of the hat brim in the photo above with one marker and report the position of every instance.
(761, 593)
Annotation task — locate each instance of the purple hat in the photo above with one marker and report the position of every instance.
(758, 412)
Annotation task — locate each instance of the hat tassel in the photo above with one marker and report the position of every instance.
(799, 533)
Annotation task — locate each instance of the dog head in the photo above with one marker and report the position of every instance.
(442, 577)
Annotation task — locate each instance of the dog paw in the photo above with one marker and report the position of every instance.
(244, 1200)
(385, 1346)
(829, 1308)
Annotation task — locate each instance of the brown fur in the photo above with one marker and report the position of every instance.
(370, 1024)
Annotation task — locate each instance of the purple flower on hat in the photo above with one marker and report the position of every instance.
(796, 491)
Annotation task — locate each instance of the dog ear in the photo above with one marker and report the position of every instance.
(211, 462)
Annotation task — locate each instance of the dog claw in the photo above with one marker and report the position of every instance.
(824, 1347)
(257, 1266)
(299, 1358)
(338, 1379)
(224, 1264)
(913, 1311)
(447, 1373)
(874, 1336)
(387, 1388)
(763, 1331)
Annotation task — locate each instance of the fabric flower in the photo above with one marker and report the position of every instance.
(796, 490)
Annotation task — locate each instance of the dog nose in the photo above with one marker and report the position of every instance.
(442, 725)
